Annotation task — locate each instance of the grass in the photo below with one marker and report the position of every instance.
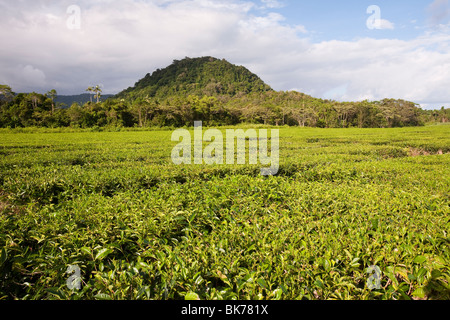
(139, 227)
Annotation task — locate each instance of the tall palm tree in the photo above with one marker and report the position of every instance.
(98, 92)
(34, 99)
(52, 94)
(90, 90)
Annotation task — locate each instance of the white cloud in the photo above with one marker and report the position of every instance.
(272, 4)
(386, 24)
(29, 77)
(32, 76)
(375, 69)
(439, 12)
(120, 41)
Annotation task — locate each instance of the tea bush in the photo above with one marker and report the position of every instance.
(139, 227)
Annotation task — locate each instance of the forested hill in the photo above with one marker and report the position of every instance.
(205, 76)
(207, 89)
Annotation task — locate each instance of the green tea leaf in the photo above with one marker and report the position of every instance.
(4, 256)
(277, 294)
(102, 296)
(319, 283)
(419, 293)
(101, 254)
(262, 283)
(86, 250)
(355, 263)
(420, 259)
(191, 296)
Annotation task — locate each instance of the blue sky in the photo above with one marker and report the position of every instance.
(328, 49)
(346, 20)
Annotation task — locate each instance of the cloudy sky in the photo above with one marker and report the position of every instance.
(347, 50)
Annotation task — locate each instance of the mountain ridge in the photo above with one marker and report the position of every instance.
(81, 99)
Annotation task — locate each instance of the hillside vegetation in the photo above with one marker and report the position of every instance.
(205, 76)
(214, 91)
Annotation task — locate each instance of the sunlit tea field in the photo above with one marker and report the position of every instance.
(351, 214)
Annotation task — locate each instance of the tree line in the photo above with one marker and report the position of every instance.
(269, 108)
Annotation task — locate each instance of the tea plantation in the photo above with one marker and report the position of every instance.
(352, 214)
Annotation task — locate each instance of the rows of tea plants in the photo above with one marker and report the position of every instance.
(112, 204)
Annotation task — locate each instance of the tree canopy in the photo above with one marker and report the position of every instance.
(213, 91)
(206, 76)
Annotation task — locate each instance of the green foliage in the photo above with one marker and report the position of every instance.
(199, 76)
(213, 91)
(139, 227)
